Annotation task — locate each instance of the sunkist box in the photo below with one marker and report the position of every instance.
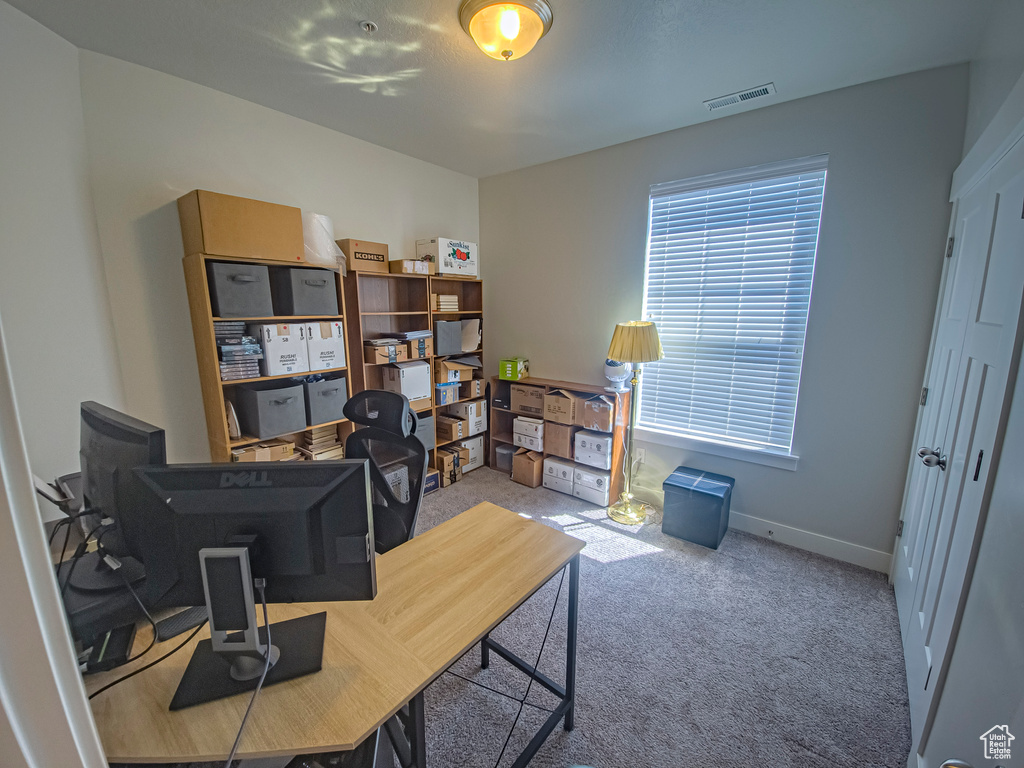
(325, 345)
(364, 256)
(284, 348)
(451, 257)
(225, 225)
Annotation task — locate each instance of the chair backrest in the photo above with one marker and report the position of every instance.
(397, 458)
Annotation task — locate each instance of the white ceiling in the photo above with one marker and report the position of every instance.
(608, 71)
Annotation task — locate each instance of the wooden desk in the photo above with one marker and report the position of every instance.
(437, 596)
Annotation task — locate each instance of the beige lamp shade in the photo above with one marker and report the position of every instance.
(635, 342)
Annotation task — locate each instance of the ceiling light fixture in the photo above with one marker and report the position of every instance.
(505, 31)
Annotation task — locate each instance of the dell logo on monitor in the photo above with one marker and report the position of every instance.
(244, 480)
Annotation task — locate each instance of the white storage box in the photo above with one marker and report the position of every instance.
(591, 478)
(284, 348)
(524, 425)
(593, 448)
(411, 378)
(559, 468)
(325, 345)
(470, 410)
(593, 495)
(528, 441)
(452, 257)
(558, 484)
(475, 446)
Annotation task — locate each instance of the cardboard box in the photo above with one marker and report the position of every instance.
(451, 257)
(598, 413)
(450, 428)
(474, 413)
(524, 425)
(397, 478)
(528, 467)
(513, 368)
(471, 388)
(559, 468)
(411, 379)
(411, 267)
(278, 449)
(250, 453)
(559, 439)
(558, 484)
(284, 348)
(325, 345)
(588, 477)
(593, 449)
(446, 371)
(450, 463)
(446, 394)
(421, 348)
(364, 256)
(391, 353)
(527, 441)
(431, 481)
(224, 225)
(475, 446)
(527, 400)
(561, 406)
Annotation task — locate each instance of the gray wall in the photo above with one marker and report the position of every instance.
(563, 247)
(53, 300)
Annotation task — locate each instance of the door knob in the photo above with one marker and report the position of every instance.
(934, 460)
(922, 452)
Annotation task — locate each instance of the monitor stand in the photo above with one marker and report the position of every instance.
(93, 575)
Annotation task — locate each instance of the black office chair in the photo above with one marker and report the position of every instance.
(398, 462)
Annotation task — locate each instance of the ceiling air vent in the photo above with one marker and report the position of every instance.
(740, 97)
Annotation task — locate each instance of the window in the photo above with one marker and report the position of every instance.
(730, 261)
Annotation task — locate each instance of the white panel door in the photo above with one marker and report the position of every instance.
(969, 446)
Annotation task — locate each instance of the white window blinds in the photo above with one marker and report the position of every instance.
(730, 261)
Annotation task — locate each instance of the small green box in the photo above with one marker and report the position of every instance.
(514, 368)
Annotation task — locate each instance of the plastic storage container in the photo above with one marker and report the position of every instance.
(697, 506)
(303, 291)
(239, 290)
(503, 456)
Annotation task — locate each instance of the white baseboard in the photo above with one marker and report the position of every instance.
(873, 559)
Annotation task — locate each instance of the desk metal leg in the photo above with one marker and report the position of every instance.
(485, 653)
(418, 735)
(570, 641)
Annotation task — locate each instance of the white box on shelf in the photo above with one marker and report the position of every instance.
(593, 495)
(411, 378)
(325, 345)
(284, 348)
(591, 478)
(528, 441)
(524, 425)
(475, 446)
(559, 468)
(593, 459)
(593, 448)
(452, 257)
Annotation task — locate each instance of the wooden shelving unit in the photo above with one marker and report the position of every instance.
(501, 419)
(383, 304)
(215, 391)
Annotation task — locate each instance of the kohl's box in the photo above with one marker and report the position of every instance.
(284, 348)
(593, 449)
(325, 345)
(452, 257)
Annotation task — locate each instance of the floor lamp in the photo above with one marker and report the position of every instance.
(634, 342)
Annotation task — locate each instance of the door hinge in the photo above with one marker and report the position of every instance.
(949, 248)
(924, 396)
(899, 529)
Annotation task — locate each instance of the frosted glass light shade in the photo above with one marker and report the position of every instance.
(505, 31)
(635, 342)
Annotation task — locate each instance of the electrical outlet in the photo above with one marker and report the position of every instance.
(641, 455)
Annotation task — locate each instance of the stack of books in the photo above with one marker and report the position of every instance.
(320, 443)
(444, 302)
(238, 353)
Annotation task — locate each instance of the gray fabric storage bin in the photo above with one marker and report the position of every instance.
(503, 457)
(299, 291)
(325, 400)
(269, 411)
(425, 431)
(239, 290)
(448, 337)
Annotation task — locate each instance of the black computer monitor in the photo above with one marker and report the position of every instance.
(112, 445)
(308, 527)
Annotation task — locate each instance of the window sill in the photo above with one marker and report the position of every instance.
(787, 461)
